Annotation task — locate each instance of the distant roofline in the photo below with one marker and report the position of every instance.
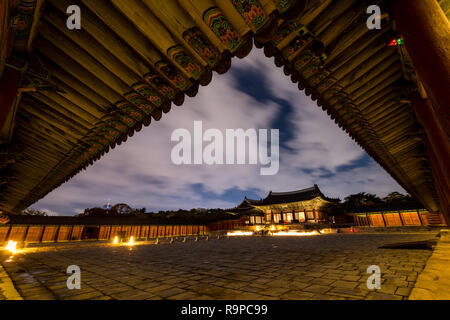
(315, 187)
(266, 200)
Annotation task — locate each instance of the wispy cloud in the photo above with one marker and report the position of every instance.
(140, 172)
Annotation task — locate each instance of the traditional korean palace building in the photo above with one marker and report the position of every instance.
(286, 207)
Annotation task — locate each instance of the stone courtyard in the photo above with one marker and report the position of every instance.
(329, 266)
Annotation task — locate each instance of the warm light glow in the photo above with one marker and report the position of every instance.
(116, 240)
(11, 246)
(328, 230)
(295, 233)
(258, 228)
(272, 227)
(240, 233)
(131, 242)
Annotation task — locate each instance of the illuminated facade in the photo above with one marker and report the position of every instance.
(301, 206)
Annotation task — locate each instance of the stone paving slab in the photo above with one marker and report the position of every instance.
(256, 268)
(7, 289)
(434, 282)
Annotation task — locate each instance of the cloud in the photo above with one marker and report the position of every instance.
(140, 172)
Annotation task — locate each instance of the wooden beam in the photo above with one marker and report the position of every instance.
(9, 99)
(38, 10)
(5, 33)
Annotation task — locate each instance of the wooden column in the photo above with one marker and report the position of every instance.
(440, 181)
(401, 218)
(70, 233)
(8, 233)
(438, 148)
(41, 236)
(384, 220)
(57, 233)
(426, 31)
(25, 234)
(420, 218)
(438, 138)
(109, 233)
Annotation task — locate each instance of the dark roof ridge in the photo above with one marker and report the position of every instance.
(296, 191)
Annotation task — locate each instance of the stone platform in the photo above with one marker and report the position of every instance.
(433, 282)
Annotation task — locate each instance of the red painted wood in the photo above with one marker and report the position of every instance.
(426, 31)
(440, 168)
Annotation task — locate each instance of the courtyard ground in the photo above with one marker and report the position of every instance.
(331, 266)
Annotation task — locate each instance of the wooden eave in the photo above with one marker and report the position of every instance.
(123, 70)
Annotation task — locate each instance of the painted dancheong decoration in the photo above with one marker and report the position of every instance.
(218, 24)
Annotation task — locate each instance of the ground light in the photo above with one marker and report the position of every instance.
(116, 240)
(295, 233)
(11, 246)
(239, 233)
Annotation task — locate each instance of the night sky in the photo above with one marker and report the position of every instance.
(253, 94)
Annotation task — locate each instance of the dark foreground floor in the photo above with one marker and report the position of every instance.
(319, 267)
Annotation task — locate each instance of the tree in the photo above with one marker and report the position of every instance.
(332, 209)
(397, 197)
(33, 212)
(120, 209)
(94, 212)
(361, 199)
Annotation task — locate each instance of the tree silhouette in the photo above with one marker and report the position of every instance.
(361, 199)
(94, 212)
(33, 212)
(397, 197)
(120, 209)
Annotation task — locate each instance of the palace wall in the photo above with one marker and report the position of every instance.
(64, 233)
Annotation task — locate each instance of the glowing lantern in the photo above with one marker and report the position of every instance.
(131, 241)
(11, 246)
(116, 240)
